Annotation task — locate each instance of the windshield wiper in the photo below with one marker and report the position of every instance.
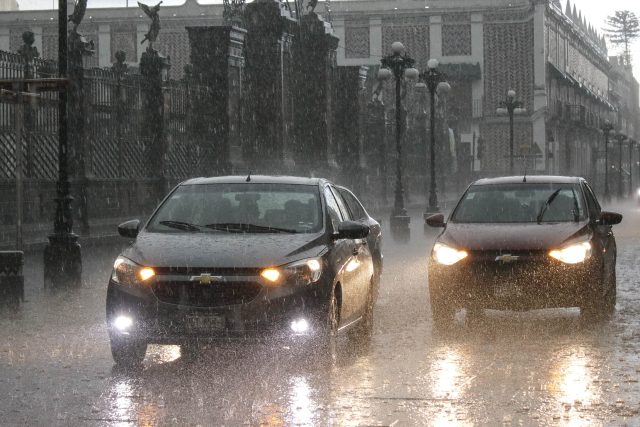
(247, 228)
(181, 225)
(544, 207)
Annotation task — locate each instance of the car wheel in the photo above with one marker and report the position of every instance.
(128, 353)
(364, 328)
(602, 303)
(442, 310)
(330, 320)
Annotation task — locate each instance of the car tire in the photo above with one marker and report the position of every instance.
(330, 320)
(364, 329)
(128, 353)
(601, 306)
(442, 310)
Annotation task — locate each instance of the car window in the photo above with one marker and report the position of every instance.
(520, 203)
(346, 214)
(202, 207)
(332, 208)
(356, 209)
(592, 202)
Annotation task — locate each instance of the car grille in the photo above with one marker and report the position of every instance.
(216, 294)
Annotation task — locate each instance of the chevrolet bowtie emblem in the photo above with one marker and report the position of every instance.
(507, 258)
(205, 278)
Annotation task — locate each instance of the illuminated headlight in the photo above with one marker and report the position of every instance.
(638, 192)
(128, 273)
(299, 326)
(301, 272)
(572, 254)
(447, 255)
(123, 323)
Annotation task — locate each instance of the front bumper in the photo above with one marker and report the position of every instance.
(267, 316)
(532, 282)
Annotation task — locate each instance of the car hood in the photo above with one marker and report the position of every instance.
(223, 250)
(511, 236)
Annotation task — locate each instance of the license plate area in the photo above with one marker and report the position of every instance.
(204, 323)
(507, 290)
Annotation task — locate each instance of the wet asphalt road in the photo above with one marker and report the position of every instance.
(534, 368)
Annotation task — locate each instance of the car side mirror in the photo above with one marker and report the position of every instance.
(610, 218)
(436, 220)
(129, 228)
(352, 230)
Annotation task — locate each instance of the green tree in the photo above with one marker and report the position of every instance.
(623, 29)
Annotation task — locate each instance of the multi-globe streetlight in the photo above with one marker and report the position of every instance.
(400, 65)
(434, 80)
(510, 106)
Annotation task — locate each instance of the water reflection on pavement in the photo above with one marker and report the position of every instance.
(532, 368)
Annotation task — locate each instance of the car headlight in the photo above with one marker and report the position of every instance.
(447, 255)
(572, 254)
(301, 272)
(638, 192)
(128, 273)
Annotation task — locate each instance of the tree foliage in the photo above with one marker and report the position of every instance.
(622, 30)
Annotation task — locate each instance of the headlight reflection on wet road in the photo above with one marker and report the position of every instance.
(446, 375)
(572, 381)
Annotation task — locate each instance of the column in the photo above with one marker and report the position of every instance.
(435, 37)
(375, 38)
(5, 39)
(539, 84)
(268, 75)
(217, 61)
(37, 33)
(313, 59)
(104, 45)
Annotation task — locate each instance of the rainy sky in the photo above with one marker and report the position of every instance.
(595, 10)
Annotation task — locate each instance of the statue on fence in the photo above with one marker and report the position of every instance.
(233, 11)
(78, 14)
(28, 51)
(154, 29)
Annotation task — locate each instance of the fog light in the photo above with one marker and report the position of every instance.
(122, 323)
(299, 326)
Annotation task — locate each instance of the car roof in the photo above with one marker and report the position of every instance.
(256, 179)
(530, 179)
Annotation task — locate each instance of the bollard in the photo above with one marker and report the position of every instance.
(11, 279)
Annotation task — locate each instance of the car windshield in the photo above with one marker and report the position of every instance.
(520, 203)
(247, 208)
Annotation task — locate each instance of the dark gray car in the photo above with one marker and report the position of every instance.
(237, 257)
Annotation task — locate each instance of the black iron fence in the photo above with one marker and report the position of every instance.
(112, 149)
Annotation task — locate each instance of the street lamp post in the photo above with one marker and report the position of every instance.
(607, 127)
(401, 65)
(62, 256)
(435, 82)
(511, 107)
(620, 137)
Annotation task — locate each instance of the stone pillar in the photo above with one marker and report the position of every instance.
(5, 39)
(153, 67)
(217, 63)
(104, 42)
(266, 100)
(346, 129)
(314, 58)
(376, 148)
(79, 148)
(435, 36)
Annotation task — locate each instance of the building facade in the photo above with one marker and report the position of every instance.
(555, 61)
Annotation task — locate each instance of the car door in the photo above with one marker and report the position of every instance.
(361, 264)
(340, 255)
(358, 213)
(603, 234)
